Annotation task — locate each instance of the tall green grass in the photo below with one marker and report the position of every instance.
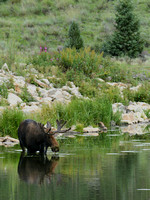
(9, 122)
(84, 111)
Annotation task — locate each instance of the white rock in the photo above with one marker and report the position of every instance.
(43, 92)
(5, 68)
(90, 129)
(132, 117)
(100, 80)
(46, 81)
(143, 105)
(118, 107)
(3, 79)
(31, 109)
(66, 95)
(46, 100)
(134, 129)
(32, 89)
(135, 88)
(13, 99)
(19, 80)
(52, 92)
(120, 85)
(75, 91)
(40, 83)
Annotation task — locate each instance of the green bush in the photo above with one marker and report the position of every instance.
(75, 40)
(84, 60)
(43, 59)
(4, 91)
(9, 122)
(126, 39)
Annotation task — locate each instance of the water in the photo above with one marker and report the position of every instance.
(92, 168)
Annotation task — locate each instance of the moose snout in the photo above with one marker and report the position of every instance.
(55, 149)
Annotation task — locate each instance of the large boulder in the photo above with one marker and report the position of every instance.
(13, 99)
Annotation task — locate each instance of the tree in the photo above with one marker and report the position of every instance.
(126, 39)
(75, 39)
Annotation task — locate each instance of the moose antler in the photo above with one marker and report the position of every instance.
(60, 124)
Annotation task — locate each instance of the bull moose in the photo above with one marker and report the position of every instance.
(35, 137)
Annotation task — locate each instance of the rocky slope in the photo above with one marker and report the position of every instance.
(42, 92)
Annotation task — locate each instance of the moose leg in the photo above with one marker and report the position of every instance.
(45, 151)
(42, 149)
(22, 147)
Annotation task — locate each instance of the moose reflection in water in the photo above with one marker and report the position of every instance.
(37, 169)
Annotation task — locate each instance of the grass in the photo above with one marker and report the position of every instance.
(9, 122)
(79, 111)
(25, 25)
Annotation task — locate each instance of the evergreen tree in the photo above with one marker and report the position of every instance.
(75, 39)
(126, 39)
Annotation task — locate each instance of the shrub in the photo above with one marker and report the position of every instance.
(126, 38)
(75, 40)
(43, 59)
(4, 91)
(84, 60)
(142, 94)
(9, 122)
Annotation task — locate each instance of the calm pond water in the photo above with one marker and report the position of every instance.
(107, 168)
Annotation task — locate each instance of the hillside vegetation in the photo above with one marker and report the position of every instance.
(32, 31)
(25, 25)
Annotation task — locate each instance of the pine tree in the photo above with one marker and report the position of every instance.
(126, 39)
(75, 39)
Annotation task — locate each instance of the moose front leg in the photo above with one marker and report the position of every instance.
(45, 150)
(41, 149)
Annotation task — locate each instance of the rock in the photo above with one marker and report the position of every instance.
(135, 88)
(13, 99)
(46, 100)
(131, 118)
(52, 92)
(33, 70)
(118, 107)
(3, 79)
(5, 68)
(134, 129)
(42, 92)
(90, 129)
(8, 141)
(40, 83)
(100, 80)
(31, 109)
(32, 89)
(120, 85)
(103, 128)
(19, 81)
(46, 81)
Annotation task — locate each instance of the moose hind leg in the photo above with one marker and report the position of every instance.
(22, 147)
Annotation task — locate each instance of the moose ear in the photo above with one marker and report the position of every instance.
(48, 125)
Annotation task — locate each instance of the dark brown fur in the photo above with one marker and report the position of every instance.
(35, 137)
